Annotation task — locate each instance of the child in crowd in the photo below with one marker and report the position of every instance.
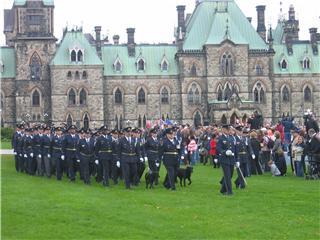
(273, 168)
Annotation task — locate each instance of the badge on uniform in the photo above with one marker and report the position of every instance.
(224, 142)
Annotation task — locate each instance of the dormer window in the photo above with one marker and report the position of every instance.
(164, 65)
(76, 55)
(73, 56)
(283, 64)
(306, 63)
(141, 65)
(80, 56)
(117, 65)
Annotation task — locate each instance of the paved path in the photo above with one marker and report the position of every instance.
(6, 151)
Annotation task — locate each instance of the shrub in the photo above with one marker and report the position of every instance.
(6, 133)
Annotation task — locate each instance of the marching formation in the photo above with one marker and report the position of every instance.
(114, 155)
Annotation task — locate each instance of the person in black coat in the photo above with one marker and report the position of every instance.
(17, 145)
(255, 146)
(45, 151)
(56, 152)
(152, 148)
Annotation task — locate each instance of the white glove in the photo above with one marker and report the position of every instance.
(237, 164)
(215, 160)
(62, 157)
(14, 153)
(178, 146)
(253, 156)
(31, 155)
(25, 155)
(157, 164)
(39, 156)
(118, 164)
(141, 159)
(228, 153)
(78, 160)
(185, 152)
(20, 155)
(182, 157)
(49, 156)
(96, 162)
(145, 159)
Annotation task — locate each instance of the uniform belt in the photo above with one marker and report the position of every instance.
(242, 152)
(70, 149)
(46, 146)
(55, 148)
(106, 151)
(129, 154)
(171, 153)
(87, 155)
(37, 145)
(29, 147)
(153, 151)
(114, 154)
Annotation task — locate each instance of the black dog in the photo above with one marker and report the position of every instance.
(151, 178)
(183, 174)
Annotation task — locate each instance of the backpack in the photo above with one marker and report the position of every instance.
(270, 143)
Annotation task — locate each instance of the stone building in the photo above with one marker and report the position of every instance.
(218, 69)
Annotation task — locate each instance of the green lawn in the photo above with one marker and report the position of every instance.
(269, 208)
(5, 145)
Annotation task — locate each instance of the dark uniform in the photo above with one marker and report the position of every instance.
(85, 151)
(152, 147)
(56, 151)
(46, 153)
(28, 152)
(116, 171)
(170, 153)
(227, 162)
(37, 153)
(17, 136)
(69, 146)
(103, 150)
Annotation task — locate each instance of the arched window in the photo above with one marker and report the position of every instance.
(259, 70)
(224, 119)
(285, 94)
(193, 70)
(307, 94)
(197, 119)
(80, 56)
(72, 98)
(73, 56)
(141, 96)
(69, 120)
(164, 66)
(190, 96)
(118, 96)
(306, 63)
(262, 96)
(84, 75)
(118, 66)
(86, 121)
(227, 92)
(83, 97)
(220, 94)
(77, 75)
(69, 75)
(35, 67)
(139, 121)
(164, 96)
(283, 64)
(194, 94)
(226, 64)
(256, 95)
(144, 121)
(141, 65)
(259, 93)
(38, 117)
(36, 99)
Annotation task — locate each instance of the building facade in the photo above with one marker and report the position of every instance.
(218, 69)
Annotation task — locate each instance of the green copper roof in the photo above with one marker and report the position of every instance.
(23, 2)
(295, 66)
(277, 33)
(212, 22)
(7, 58)
(75, 40)
(152, 55)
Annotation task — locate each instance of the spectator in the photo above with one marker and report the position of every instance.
(297, 152)
(213, 151)
(278, 154)
(192, 148)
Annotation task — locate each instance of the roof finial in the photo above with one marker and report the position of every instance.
(227, 35)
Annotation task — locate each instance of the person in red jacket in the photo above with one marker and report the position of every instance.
(213, 152)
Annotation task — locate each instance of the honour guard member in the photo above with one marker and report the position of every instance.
(152, 148)
(170, 153)
(56, 151)
(37, 142)
(16, 143)
(69, 145)
(28, 152)
(141, 158)
(103, 150)
(116, 170)
(226, 152)
(85, 151)
(45, 151)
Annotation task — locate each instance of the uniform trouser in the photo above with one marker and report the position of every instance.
(22, 167)
(154, 169)
(59, 166)
(32, 165)
(129, 171)
(71, 171)
(39, 165)
(256, 166)
(240, 181)
(107, 167)
(47, 165)
(84, 165)
(16, 162)
(170, 178)
(115, 174)
(226, 186)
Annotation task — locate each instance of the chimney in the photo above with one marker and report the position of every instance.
(249, 19)
(97, 29)
(313, 40)
(116, 39)
(261, 28)
(131, 44)
(181, 18)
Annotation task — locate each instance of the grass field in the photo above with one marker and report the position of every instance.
(269, 208)
(5, 145)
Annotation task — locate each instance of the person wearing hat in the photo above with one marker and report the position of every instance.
(56, 150)
(85, 152)
(103, 152)
(28, 152)
(69, 145)
(152, 148)
(116, 170)
(17, 144)
(226, 152)
(141, 157)
(128, 151)
(170, 153)
(37, 149)
(46, 151)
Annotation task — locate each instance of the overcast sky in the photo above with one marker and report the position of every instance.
(155, 20)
